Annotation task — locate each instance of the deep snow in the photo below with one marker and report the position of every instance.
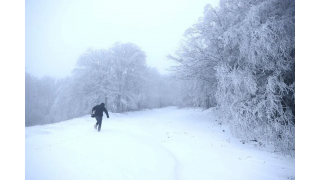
(159, 144)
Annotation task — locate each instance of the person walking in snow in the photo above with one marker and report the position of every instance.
(98, 112)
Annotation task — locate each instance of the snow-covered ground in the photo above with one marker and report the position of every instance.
(159, 144)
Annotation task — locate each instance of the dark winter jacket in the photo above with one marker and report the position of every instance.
(99, 110)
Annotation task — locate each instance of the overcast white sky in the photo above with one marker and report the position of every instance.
(57, 32)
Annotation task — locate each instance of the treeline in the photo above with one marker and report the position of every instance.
(241, 57)
(119, 77)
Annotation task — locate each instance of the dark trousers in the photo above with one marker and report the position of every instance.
(99, 122)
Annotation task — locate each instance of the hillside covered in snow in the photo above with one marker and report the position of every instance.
(159, 144)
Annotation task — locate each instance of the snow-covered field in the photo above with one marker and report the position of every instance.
(159, 144)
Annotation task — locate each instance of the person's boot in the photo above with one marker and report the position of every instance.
(95, 126)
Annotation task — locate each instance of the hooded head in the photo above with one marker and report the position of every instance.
(102, 104)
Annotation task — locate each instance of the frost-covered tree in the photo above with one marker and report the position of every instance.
(196, 68)
(89, 85)
(256, 86)
(114, 76)
(32, 115)
(92, 77)
(128, 74)
(39, 97)
(62, 107)
(150, 98)
(159, 90)
(247, 47)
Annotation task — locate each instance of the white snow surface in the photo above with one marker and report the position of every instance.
(160, 144)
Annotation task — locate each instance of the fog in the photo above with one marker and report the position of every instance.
(57, 32)
(239, 57)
